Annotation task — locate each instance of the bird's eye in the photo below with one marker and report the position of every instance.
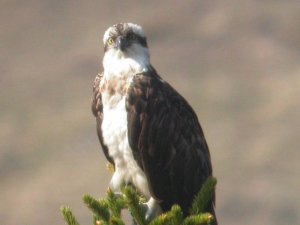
(110, 41)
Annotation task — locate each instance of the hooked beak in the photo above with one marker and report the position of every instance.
(121, 43)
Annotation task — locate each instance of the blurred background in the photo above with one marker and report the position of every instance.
(236, 62)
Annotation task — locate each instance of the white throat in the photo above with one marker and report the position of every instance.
(135, 60)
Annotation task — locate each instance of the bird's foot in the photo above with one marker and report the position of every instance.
(151, 209)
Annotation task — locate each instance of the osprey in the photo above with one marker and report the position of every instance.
(147, 130)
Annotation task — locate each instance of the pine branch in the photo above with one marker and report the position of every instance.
(174, 217)
(68, 215)
(199, 219)
(116, 221)
(134, 205)
(204, 196)
(108, 211)
(115, 202)
(99, 208)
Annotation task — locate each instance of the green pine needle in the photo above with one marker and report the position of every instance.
(204, 196)
(174, 217)
(68, 215)
(200, 219)
(99, 208)
(115, 203)
(177, 214)
(135, 209)
(116, 221)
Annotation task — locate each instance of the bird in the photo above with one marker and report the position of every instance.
(146, 129)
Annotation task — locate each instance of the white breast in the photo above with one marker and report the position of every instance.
(114, 130)
(119, 68)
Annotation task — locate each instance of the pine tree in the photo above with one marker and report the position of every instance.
(108, 211)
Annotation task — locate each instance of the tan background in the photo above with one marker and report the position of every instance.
(236, 62)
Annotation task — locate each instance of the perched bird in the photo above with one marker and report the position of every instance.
(147, 130)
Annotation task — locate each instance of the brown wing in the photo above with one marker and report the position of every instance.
(167, 141)
(97, 109)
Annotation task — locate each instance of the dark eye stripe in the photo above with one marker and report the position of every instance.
(137, 38)
(142, 41)
(131, 36)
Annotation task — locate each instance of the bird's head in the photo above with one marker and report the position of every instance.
(125, 48)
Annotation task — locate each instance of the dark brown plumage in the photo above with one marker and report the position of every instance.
(167, 141)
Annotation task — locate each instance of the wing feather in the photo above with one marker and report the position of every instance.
(97, 109)
(167, 141)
